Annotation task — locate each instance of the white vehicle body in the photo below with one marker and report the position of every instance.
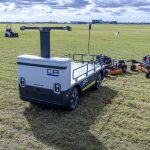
(49, 80)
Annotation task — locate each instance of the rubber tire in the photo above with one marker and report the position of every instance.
(98, 83)
(148, 75)
(124, 68)
(106, 73)
(133, 68)
(74, 99)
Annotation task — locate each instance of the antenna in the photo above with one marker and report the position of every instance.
(90, 27)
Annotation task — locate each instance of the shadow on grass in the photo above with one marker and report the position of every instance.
(66, 130)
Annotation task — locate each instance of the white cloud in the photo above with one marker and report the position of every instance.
(64, 2)
(7, 6)
(40, 9)
(66, 10)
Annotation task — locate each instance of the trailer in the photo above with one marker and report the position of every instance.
(143, 66)
(57, 81)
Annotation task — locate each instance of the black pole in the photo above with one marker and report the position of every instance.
(45, 44)
(90, 26)
(89, 41)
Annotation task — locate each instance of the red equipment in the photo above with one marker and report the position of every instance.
(143, 66)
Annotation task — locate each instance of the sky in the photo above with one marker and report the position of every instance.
(75, 10)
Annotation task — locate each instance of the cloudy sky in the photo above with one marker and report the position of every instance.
(82, 10)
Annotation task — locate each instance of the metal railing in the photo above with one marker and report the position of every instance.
(91, 61)
(67, 55)
(87, 70)
(82, 57)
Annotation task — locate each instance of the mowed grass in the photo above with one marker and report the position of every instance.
(124, 124)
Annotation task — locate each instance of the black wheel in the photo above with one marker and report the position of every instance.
(74, 98)
(124, 68)
(133, 68)
(106, 73)
(148, 75)
(98, 83)
(6, 35)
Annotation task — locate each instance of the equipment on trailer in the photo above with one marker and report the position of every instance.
(9, 31)
(58, 80)
(112, 66)
(143, 65)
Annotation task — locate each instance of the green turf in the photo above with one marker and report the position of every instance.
(124, 124)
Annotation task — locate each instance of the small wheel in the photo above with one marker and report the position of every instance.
(98, 83)
(148, 75)
(106, 73)
(133, 68)
(74, 98)
(124, 68)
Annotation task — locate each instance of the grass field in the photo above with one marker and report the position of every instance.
(124, 124)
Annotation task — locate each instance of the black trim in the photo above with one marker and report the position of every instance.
(43, 66)
(43, 96)
(40, 101)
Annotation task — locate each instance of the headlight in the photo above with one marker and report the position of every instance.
(22, 82)
(57, 88)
